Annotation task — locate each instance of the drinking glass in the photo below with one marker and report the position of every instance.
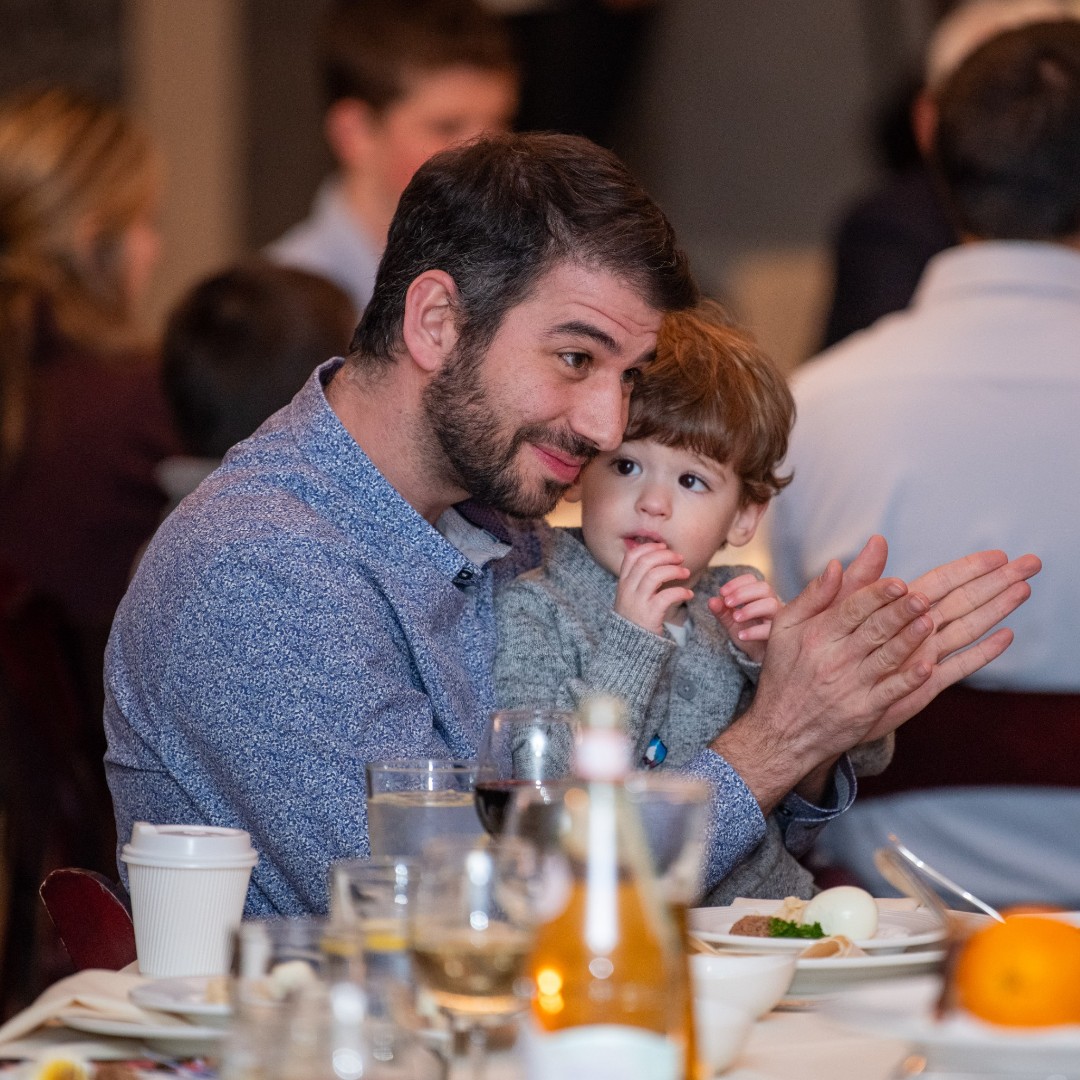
(471, 936)
(674, 811)
(273, 961)
(530, 747)
(411, 800)
(370, 911)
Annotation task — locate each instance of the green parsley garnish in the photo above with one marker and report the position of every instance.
(783, 928)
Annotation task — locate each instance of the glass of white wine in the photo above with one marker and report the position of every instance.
(471, 936)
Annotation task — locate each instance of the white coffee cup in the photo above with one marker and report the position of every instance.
(188, 885)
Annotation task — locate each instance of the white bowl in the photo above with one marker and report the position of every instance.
(721, 1031)
(751, 983)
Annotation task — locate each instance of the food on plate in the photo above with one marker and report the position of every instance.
(752, 926)
(845, 909)
(786, 928)
(831, 948)
(1023, 972)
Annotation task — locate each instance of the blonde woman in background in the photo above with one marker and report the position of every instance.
(82, 416)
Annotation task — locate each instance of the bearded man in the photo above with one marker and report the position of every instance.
(325, 598)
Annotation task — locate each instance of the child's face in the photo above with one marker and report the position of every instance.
(440, 108)
(645, 491)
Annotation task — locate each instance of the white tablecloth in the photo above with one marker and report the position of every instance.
(784, 1046)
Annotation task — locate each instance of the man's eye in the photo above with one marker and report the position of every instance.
(692, 482)
(575, 360)
(625, 467)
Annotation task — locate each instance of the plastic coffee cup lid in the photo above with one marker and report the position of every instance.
(199, 847)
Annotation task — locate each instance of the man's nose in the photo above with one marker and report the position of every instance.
(602, 414)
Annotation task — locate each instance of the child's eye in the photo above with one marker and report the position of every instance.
(625, 467)
(692, 482)
(631, 377)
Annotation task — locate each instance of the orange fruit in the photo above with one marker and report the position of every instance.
(1024, 972)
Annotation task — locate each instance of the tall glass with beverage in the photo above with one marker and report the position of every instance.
(471, 934)
(412, 800)
(528, 747)
(674, 811)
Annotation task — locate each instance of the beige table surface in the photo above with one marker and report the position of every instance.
(783, 1046)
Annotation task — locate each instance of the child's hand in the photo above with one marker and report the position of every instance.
(648, 585)
(746, 607)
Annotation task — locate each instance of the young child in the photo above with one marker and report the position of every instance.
(403, 81)
(629, 605)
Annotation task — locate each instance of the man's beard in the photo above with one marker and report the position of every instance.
(467, 425)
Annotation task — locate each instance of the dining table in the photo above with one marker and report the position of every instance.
(801, 1044)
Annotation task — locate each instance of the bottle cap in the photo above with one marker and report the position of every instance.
(603, 748)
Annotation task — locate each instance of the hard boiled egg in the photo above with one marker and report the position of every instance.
(846, 910)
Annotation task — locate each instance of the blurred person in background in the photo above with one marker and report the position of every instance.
(952, 423)
(402, 81)
(237, 347)
(887, 236)
(83, 421)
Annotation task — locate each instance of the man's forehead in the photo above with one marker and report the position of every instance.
(583, 290)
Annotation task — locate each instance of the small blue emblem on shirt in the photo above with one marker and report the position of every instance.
(655, 753)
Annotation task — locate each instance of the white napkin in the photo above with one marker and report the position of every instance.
(91, 993)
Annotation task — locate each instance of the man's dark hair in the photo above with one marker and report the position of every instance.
(1007, 147)
(370, 48)
(241, 343)
(498, 213)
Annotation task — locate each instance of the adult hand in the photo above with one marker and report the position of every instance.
(854, 655)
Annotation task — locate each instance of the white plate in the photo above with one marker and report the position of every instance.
(176, 1039)
(897, 930)
(831, 974)
(904, 1010)
(185, 996)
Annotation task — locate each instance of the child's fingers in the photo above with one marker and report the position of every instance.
(641, 559)
(757, 609)
(757, 632)
(749, 590)
(736, 583)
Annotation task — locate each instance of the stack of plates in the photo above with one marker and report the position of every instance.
(906, 943)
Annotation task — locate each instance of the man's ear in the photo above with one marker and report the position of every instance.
(429, 329)
(349, 129)
(745, 524)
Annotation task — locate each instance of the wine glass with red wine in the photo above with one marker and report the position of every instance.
(522, 748)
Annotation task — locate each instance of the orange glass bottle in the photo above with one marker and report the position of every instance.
(608, 969)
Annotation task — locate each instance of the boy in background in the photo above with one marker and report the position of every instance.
(237, 347)
(629, 605)
(403, 81)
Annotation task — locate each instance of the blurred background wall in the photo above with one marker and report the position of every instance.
(751, 123)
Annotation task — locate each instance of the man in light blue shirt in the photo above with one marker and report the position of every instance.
(955, 421)
(403, 81)
(325, 598)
